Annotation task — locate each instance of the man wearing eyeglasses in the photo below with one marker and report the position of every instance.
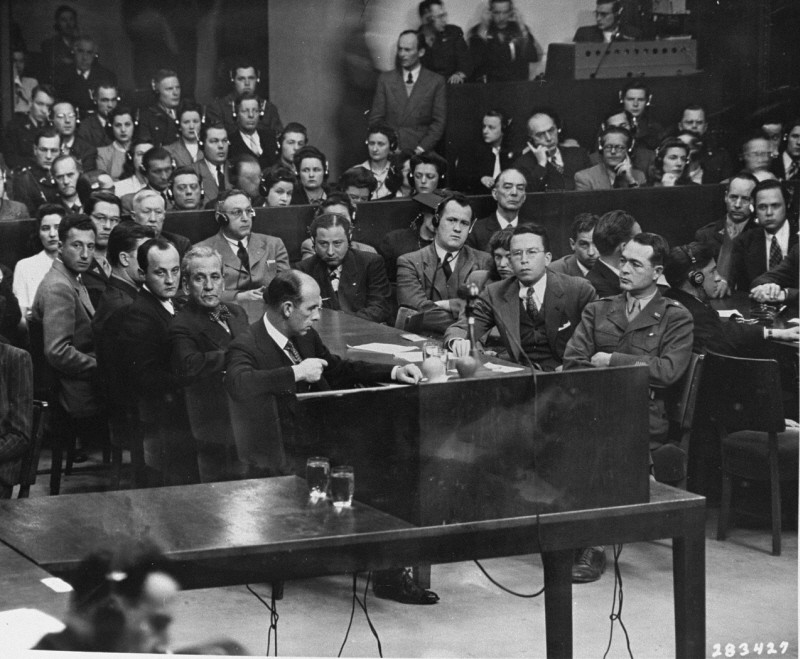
(536, 311)
(148, 210)
(615, 169)
(34, 185)
(607, 26)
(447, 53)
(104, 209)
(65, 120)
(428, 279)
(249, 260)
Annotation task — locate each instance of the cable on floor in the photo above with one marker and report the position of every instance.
(616, 604)
(273, 618)
(363, 606)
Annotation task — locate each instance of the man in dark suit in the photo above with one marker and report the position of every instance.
(584, 253)
(719, 235)
(349, 280)
(199, 335)
(104, 209)
(446, 51)
(249, 137)
(411, 99)
(763, 247)
(249, 260)
(613, 230)
(428, 280)
(787, 165)
(712, 163)
(213, 168)
(21, 133)
(509, 193)
(16, 413)
(148, 210)
(608, 28)
(546, 165)
(158, 165)
(75, 83)
(158, 123)
(93, 126)
(65, 121)
(144, 343)
(536, 310)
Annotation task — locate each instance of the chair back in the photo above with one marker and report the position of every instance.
(30, 460)
(742, 393)
(682, 409)
(44, 379)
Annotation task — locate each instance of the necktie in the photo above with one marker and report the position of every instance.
(334, 275)
(530, 303)
(220, 179)
(83, 296)
(409, 83)
(775, 254)
(244, 257)
(497, 169)
(446, 268)
(633, 308)
(293, 354)
(793, 171)
(555, 164)
(220, 314)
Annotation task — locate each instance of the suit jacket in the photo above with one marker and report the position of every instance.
(498, 306)
(18, 139)
(596, 178)
(84, 152)
(363, 286)
(476, 162)
(10, 313)
(76, 89)
(659, 337)
(198, 362)
(181, 154)
(593, 34)
(396, 243)
(68, 340)
(548, 178)
(239, 147)
(111, 160)
(482, 232)
(749, 259)
(419, 118)
(268, 257)
(785, 275)
(604, 280)
(421, 282)
(261, 392)
(93, 131)
(16, 411)
(210, 185)
(713, 233)
(221, 111)
(568, 265)
(95, 279)
(182, 243)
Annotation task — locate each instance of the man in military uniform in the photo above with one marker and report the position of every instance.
(158, 123)
(65, 121)
(245, 78)
(35, 185)
(638, 326)
(93, 125)
(447, 53)
(20, 133)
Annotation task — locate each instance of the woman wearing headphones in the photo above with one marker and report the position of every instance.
(187, 149)
(111, 159)
(381, 143)
(670, 167)
(312, 170)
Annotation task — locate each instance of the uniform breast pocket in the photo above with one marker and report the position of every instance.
(605, 341)
(645, 342)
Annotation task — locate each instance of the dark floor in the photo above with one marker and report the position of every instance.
(751, 598)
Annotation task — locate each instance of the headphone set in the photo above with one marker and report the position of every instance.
(391, 136)
(607, 130)
(262, 108)
(440, 209)
(311, 152)
(178, 172)
(232, 73)
(695, 277)
(339, 216)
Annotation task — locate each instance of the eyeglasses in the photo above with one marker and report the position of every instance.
(239, 213)
(614, 148)
(530, 253)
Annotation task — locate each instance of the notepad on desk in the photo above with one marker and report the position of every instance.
(729, 313)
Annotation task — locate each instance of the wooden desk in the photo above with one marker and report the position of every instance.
(741, 302)
(264, 530)
(21, 585)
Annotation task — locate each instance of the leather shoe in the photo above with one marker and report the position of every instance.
(589, 565)
(398, 585)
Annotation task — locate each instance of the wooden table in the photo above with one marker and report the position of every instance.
(265, 530)
(21, 585)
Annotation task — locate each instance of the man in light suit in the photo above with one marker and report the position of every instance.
(64, 311)
(213, 168)
(546, 165)
(411, 98)
(16, 413)
(199, 336)
(249, 260)
(350, 280)
(584, 253)
(536, 311)
(428, 279)
(615, 169)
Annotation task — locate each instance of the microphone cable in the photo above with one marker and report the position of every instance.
(273, 618)
(616, 605)
(363, 606)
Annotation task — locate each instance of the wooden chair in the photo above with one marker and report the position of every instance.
(745, 404)
(681, 411)
(30, 461)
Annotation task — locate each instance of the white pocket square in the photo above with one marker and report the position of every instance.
(564, 326)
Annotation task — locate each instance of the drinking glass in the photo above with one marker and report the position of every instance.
(342, 486)
(318, 469)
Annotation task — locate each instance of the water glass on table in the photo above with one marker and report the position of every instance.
(318, 471)
(342, 486)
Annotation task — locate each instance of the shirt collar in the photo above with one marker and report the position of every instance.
(581, 267)
(504, 223)
(643, 301)
(414, 73)
(167, 304)
(235, 243)
(781, 234)
(441, 253)
(275, 334)
(539, 288)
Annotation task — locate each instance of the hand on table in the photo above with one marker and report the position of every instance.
(408, 374)
(309, 370)
(768, 293)
(460, 347)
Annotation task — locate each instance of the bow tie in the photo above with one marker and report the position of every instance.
(221, 313)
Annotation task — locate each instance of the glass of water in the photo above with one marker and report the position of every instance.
(342, 486)
(318, 470)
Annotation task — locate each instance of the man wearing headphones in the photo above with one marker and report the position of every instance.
(245, 173)
(615, 169)
(713, 162)
(20, 134)
(158, 166)
(186, 189)
(546, 165)
(249, 260)
(509, 193)
(65, 121)
(607, 26)
(693, 278)
(350, 280)
(158, 123)
(719, 235)
(248, 137)
(787, 165)
(76, 83)
(35, 185)
(428, 279)
(635, 99)
(213, 167)
(245, 78)
(94, 126)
